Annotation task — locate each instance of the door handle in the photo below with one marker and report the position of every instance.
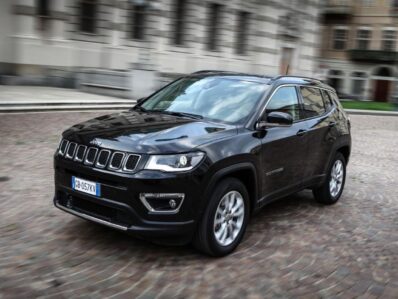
(301, 132)
(332, 124)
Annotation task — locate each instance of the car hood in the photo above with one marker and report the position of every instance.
(145, 132)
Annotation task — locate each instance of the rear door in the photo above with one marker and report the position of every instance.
(318, 113)
(284, 149)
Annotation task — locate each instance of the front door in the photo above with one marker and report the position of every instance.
(283, 149)
(382, 90)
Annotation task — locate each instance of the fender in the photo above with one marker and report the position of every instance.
(342, 141)
(224, 172)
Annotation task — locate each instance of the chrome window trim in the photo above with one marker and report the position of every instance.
(298, 98)
(125, 162)
(95, 156)
(60, 146)
(121, 163)
(67, 155)
(99, 165)
(77, 150)
(153, 211)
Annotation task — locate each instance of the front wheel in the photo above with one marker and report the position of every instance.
(330, 192)
(225, 219)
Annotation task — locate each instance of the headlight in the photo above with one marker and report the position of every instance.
(174, 163)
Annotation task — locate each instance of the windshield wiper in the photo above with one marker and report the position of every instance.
(140, 108)
(185, 114)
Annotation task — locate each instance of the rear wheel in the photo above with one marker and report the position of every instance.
(332, 188)
(225, 219)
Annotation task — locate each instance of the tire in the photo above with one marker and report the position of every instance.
(326, 194)
(209, 236)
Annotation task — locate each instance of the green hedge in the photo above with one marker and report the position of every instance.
(367, 105)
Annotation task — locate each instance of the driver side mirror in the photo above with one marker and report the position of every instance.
(275, 119)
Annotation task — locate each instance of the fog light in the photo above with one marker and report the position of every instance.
(162, 203)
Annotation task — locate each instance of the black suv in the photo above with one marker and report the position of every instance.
(196, 159)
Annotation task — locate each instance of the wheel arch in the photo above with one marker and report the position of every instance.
(345, 150)
(245, 172)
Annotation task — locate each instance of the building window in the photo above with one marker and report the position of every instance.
(179, 22)
(394, 4)
(139, 20)
(388, 40)
(42, 8)
(336, 80)
(43, 13)
(368, 3)
(242, 32)
(340, 38)
(358, 83)
(363, 38)
(88, 13)
(214, 26)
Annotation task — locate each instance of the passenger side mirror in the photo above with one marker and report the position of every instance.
(275, 119)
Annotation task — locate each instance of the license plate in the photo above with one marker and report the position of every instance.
(86, 186)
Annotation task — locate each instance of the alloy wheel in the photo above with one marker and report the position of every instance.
(228, 220)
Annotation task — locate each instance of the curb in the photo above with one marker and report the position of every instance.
(371, 112)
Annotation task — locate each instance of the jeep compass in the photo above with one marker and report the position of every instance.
(196, 159)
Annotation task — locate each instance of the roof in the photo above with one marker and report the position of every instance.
(266, 79)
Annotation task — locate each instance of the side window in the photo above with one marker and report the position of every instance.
(327, 99)
(312, 101)
(285, 100)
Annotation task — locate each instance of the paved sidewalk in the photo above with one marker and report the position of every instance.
(39, 98)
(294, 248)
(36, 94)
(371, 112)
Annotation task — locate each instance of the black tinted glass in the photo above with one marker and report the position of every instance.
(312, 101)
(327, 100)
(285, 100)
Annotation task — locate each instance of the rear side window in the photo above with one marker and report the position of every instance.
(285, 100)
(327, 100)
(312, 101)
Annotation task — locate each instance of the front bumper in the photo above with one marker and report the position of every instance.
(119, 205)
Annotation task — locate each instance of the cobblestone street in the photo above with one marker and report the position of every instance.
(294, 248)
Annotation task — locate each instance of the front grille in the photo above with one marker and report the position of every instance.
(116, 160)
(131, 162)
(71, 150)
(102, 159)
(99, 158)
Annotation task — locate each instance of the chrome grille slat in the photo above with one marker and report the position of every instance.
(118, 158)
(63, 147)
(131, 162)
(90, 158)
(103, 155)
(80, 152)
(70, 152)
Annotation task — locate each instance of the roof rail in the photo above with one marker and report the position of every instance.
(298, 77)
(208, 71)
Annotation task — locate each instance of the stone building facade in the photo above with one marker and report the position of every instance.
(359, 48)
(118, 42)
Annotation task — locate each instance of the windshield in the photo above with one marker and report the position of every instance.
(225, 99)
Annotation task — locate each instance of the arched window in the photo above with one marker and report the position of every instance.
(358, 83)
(383, 72)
